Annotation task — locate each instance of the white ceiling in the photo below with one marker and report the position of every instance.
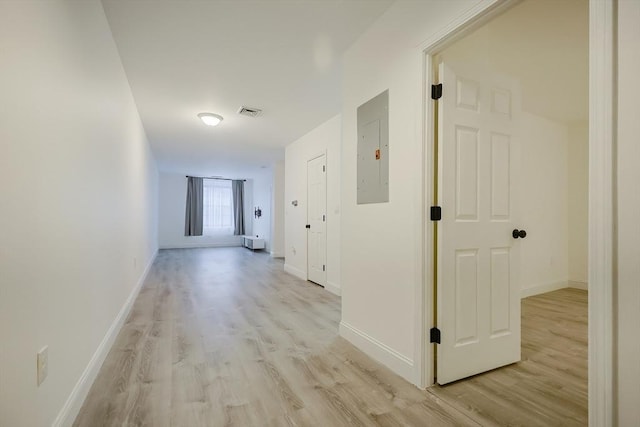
(186, 57)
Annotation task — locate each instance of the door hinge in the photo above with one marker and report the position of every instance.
(323, 267)
(436, 213)
(434, 335)
(324, 168)
(307, 226)
(436, 91)
(323, 218)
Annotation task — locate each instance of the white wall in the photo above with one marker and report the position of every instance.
(382, 254)
(173, 199)
(627, 356)
(326, 138)
(79, 202)
(578, 203)
(382, 265)
(261, 227)
(543, 192)
(545, 168)
(277, 211)
(551, 61)
(173, 195)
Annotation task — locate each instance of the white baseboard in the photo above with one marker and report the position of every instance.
(578, 285)
(202, 245)
(276, 254)
(333, 288)
(378, 351)
(296, 272)
(69, 411)
(543, 288)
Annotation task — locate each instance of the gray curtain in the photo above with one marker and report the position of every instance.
(237, 187)
(193, 213)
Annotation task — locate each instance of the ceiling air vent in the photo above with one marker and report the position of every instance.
(249, 111)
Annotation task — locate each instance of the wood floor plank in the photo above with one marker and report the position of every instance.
(549, 386)
(223, 337)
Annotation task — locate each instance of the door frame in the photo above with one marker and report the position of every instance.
(310, 158)
(602, 15)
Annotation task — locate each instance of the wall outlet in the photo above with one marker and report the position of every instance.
(43, 364)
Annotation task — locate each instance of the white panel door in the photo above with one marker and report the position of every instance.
(478, 258)
(316, 220)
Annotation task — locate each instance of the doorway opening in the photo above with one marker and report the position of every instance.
(511, 175)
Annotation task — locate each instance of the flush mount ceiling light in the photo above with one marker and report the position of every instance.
(210, 119)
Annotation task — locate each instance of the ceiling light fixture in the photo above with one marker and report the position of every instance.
(210, 119)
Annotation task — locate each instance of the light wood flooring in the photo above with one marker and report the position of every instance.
(223, 337)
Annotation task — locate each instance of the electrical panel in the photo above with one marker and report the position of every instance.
(373, 150)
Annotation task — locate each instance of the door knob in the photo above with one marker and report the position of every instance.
(519, 233)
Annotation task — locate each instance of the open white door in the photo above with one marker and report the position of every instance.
(316, 220)
(478, 257)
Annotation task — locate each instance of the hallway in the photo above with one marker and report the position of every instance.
(223, 336)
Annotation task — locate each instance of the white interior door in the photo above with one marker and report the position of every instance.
(316, 220)
(478, 257)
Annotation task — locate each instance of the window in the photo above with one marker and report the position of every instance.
(217, 207)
